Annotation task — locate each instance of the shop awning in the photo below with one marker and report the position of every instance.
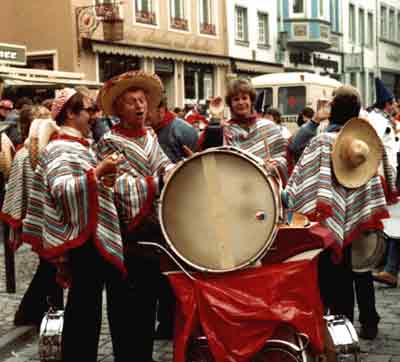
(252, 67)
(147, 52)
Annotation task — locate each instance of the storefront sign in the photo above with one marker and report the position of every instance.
(315, 60)
(12, 54)
(164, 66)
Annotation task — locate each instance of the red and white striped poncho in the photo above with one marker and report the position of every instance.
(137, 185)
(67, 206)
(263, 139)
(314, 191)
(16, 196)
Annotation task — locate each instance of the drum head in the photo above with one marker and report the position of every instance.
(367, 251)
(219, 211)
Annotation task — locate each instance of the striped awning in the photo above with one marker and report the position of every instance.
(148, 52)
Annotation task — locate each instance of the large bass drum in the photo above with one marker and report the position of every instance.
(219, 210)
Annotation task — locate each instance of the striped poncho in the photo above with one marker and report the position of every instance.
(263, 139)
(137, 185)
(16, 197)
(67, 205)
(314, 191)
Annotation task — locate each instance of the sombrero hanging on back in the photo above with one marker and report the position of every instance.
(357, 153)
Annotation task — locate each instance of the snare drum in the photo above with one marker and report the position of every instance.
(219, 210)
(341, 340)
(50, 336)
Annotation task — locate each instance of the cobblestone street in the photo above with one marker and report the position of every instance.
(386, 348)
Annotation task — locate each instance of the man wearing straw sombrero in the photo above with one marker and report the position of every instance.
(130, 97)
(72, 221)
(335, 182)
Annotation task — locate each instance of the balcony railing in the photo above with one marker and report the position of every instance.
(146, 17)
(208, 29)
(179, 23)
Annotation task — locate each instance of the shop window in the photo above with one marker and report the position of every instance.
(207, 24)
(112, 65)
(145, 12)
(241, 25)
(45, 62)
(178, 15)
(198, 82)
(291, 100)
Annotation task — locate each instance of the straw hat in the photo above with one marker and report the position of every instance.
(62, 97)
(357, 153)
(40, 133)
(112, 89)
(6, 155)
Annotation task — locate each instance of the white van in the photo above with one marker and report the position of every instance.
(291, 92)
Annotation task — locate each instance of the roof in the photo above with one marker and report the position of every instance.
(293, 78)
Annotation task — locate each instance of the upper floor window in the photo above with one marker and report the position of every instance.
(383, 21)
(144, 12)
(352, 23)
(361, 26)
(398, 26)
(298, 6)
(333, 15)
(207, 25)
(241, 24)
(370, 27)
(178, 15)
(321, 8)
(263, 29)
(392, 25)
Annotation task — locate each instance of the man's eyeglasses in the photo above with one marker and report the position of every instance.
(91, 109)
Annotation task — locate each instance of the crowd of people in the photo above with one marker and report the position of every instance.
(86, 199)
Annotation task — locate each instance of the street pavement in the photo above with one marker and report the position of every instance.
(21, 344)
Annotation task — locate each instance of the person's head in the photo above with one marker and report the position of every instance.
(273, 115)
(131, 107)
(71, 109)
(157, 115)
(22, 102)
(180, 113)
(240, 98)
(384, 97)
(25, 119)
(41, 112)
(308, 114)
(6, 106)
(48, 103)
(345, 105)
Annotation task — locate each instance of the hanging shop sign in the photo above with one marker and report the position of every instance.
(12, 54)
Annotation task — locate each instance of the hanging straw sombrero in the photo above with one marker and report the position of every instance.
(40, 132)
(112, 89)
(357, 153)
(6, 155)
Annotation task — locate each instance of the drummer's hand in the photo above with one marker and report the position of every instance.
(271, 168)
(188, 152)
(108, 165)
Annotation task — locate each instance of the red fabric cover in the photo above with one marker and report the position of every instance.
(290, 242)
(239, 311)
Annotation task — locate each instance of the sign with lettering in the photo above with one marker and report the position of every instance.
(316, 60)
(12, 54)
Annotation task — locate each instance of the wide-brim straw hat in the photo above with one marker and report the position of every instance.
(116, 86)
(6, 155)
(40, 133)
(357, 138)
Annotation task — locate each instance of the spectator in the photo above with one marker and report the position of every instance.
(6, 106)
(274, 115)
(180, 113)
(14, 132)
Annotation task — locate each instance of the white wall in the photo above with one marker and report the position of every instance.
(246, 52)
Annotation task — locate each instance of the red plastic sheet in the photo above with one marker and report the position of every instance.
(240, 311)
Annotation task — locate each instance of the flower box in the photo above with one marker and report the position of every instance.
(179, 23)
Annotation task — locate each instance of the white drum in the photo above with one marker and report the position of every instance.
(341, 341)
(219, 210)
(50, 336)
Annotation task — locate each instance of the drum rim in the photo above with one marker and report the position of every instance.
(274, 231)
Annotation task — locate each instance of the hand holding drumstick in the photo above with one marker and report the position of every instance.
(106, 170)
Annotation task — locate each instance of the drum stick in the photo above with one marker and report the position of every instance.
(218, 212)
